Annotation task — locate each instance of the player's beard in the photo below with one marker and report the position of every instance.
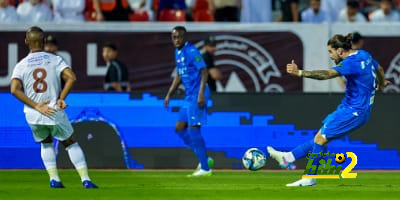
(337, 61)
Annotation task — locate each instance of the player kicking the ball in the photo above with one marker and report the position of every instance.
(36, 81)
(363, 75)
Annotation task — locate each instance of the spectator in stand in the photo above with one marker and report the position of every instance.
(142, 5)
(386, 13)
(68, 11)
(7, 13)
(333, 8)
(314, 14)
(256, 11)
(352, 13)
(34, 11)
(289, 11)
(112, 10)
(225, 10)
(172, 4)
(214, 74)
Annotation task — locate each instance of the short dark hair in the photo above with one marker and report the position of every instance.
(210, 40)
(35, 29)
(353, 3)
(110, 45)
(51, 40)
(356, 37)
(180, 28)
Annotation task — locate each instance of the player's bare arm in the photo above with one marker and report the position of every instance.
(201, 100)
(215, 73)
(292, 69)
(172, 89)
(320, 74)
(382, 82)
(69, 78)
(42, 107)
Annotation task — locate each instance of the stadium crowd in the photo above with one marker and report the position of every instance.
(307, 11)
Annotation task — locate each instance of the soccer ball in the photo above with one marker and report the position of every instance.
(254, 159)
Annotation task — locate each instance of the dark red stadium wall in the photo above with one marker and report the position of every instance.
(149, 56)
(259, 58)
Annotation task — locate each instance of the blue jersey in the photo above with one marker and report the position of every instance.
(360, 70)
(189, 63)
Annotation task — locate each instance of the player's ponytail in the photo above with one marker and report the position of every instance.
(341, 41)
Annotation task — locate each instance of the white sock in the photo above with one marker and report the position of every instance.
(289, 157)
(49, 160)
(78, 159)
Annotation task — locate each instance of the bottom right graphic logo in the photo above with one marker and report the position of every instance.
(326, 169)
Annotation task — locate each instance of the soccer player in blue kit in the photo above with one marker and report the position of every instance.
(364, 76)
(192, 72)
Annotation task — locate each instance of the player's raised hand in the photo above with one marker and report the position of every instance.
(43, 108)
(61, 105)
(292, 69)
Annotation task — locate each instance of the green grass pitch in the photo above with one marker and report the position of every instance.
(174, 185)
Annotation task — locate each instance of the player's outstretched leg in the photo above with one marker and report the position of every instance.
(285, 159)
(48, 155)
(201, 152)
(78, 160)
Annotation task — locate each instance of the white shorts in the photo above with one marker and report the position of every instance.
(62, 130)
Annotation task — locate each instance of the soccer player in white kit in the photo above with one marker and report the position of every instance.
(36, 81)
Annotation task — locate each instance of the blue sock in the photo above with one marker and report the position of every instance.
(199, 147)
(185, 136)
(302, 150)
(320, 150)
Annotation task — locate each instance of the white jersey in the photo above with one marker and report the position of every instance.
(38, 13)
(379, 16)
(40, 74)
(69, 11)
(8, 14)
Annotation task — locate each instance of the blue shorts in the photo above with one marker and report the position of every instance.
(342, 121)
(191, 113)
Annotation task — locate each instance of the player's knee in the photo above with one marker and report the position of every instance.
(180, 126)
(68, 141)
(47, 140)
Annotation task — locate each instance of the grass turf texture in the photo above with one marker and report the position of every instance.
(174, 185)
